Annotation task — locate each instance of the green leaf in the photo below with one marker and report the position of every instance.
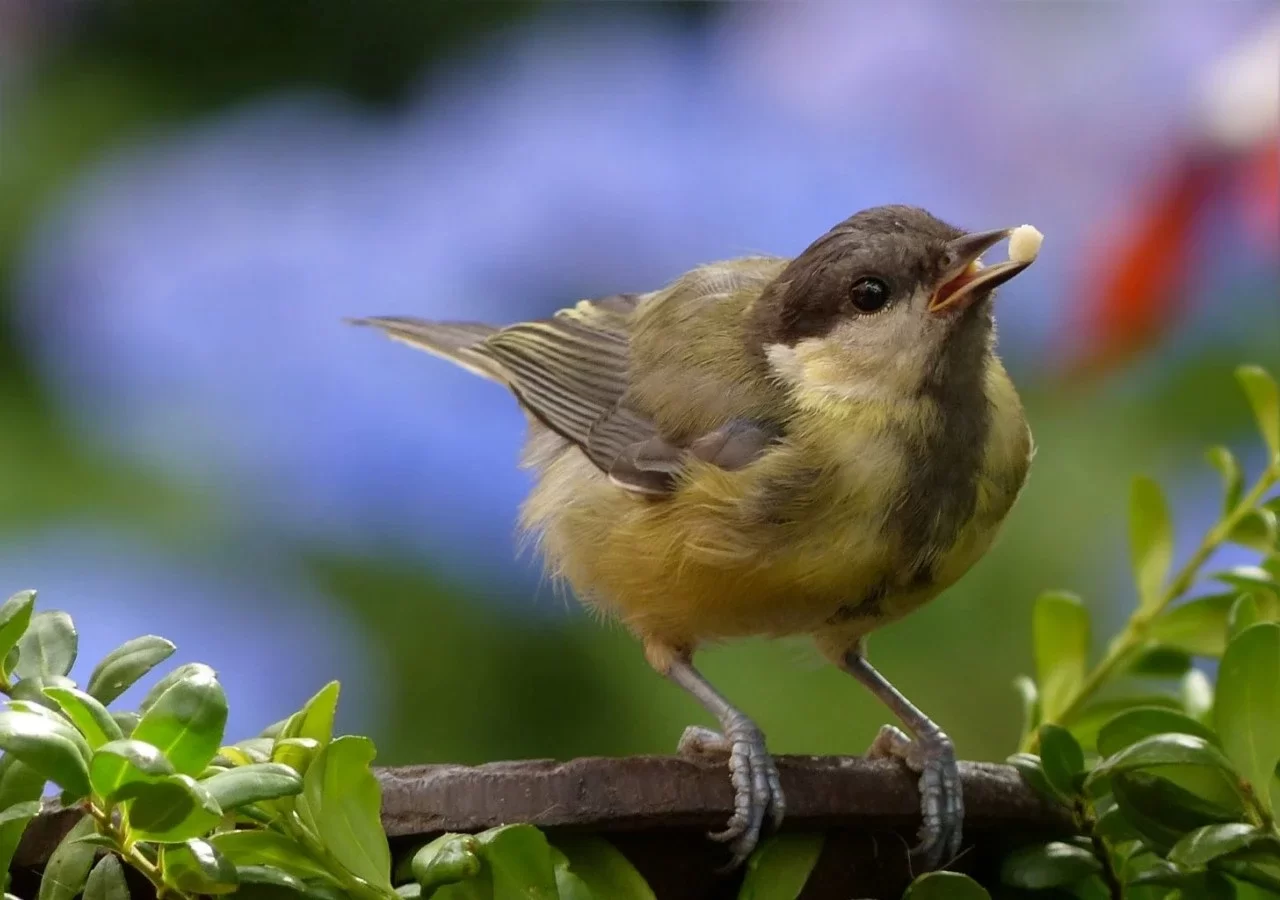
(275, 729)
(268, 848)
(1087, 724)
(127, 722)
(1255, 530)
(106, 881)
(315, 720)
(15, 616)
(1264, 397)
(1056, 864)
(1245, 713)
(123, 762)
(1161, 811)
(186, 722)
(122, 667)
(255, 749)
(1030, 694)
(1197, 695)
(1197, 626)
(519, 859)
(1160, 662)
(343, 799)
(101, 841)
(47, 710)
(1200, 847)
(69, 864)
(1115, 827)
(1150, 540)
(54, 749)
(1164, 750)
(1062, 759)
(271, 876)
(1032, 772)
(31, 691)
(13, 822)
(568, 885)
(1244, 612)
(1232, 479)
(1252, 867)
(48, 647)
(19, 782)
(1061, 627)
(198, 868)
(181, 673)
(171, 810)
(945, 886)
(318, 890)
(1160, 872)
(448, 859)
(253, 783)
(603, 869)
(1135, 725)
(229, 757)
(296, 753)
(1197, 885)
(1249, 578)
(780, 867)
(87, 714)
(259, 749)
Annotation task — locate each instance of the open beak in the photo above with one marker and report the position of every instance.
(966, 277)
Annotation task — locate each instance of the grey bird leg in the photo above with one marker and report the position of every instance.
(757, 789)
(930, 754)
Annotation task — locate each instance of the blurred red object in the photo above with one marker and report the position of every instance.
(1134, 292)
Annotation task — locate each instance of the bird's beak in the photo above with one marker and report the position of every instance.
(966, 277)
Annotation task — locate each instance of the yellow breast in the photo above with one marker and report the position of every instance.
(787, 545)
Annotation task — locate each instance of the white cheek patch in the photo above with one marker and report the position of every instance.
(785, 362)
(842, 367)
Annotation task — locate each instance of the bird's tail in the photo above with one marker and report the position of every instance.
(459, 342)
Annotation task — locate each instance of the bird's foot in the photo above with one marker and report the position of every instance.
(757, 788)
(941, 800)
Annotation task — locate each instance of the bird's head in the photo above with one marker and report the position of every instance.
(886, 303)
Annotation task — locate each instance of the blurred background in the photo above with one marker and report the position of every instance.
(193, 195)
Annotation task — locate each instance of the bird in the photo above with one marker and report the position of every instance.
(774, 446)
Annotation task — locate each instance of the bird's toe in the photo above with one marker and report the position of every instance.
(757, 794)
(941, 802)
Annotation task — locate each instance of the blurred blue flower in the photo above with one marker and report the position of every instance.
(186, 296)
(273, 640)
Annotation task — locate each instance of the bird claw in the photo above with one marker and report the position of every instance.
(756, 785)
(941, 797)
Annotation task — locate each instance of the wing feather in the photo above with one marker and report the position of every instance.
(572, 372)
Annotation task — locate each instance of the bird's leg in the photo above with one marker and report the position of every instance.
(757, 789)
(930, 754)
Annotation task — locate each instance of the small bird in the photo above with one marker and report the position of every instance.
(770, 446)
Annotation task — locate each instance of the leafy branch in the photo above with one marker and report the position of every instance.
(1174, 794)
(1245, 521)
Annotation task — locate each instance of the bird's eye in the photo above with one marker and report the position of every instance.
(869, 295)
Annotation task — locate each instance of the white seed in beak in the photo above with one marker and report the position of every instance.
(1024, 244)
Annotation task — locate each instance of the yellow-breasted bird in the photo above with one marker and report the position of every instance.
(816, 445)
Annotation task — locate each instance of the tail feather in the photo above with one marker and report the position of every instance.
(459, 342)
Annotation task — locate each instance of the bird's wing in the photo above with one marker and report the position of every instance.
(571, 373)
(653, 466)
